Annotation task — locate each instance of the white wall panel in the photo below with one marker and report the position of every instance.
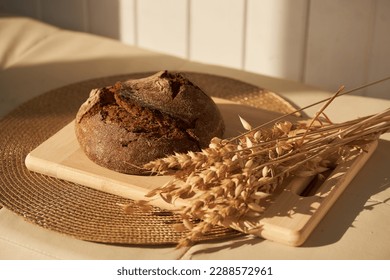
(323, 43)
(379, 57)
(69, 14)
(30, 8)
(162, 26)
(217, 32)
(127, 21)
(339, 41)
(276, 37)
(103, 17)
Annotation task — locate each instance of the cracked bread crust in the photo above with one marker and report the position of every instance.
(124, 126)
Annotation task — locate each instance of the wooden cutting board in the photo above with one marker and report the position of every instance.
(289, 220)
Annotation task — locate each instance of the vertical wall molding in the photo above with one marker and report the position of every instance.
(86, 27)
(188, 30)
(244, 31)
(306, 42)
(370, 46)
(379, 58)
(135, 15)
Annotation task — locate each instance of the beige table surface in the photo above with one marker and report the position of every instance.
(35, 58)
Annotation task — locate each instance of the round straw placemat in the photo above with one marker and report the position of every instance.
(79, 211)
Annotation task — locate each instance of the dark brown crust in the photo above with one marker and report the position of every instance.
(124, 126)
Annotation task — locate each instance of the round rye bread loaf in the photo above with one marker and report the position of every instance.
(124, 126)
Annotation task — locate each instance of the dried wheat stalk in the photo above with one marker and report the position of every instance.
(234, 177)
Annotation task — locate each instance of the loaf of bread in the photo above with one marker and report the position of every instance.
(124, 126)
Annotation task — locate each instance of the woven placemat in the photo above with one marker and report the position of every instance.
(79, 211)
